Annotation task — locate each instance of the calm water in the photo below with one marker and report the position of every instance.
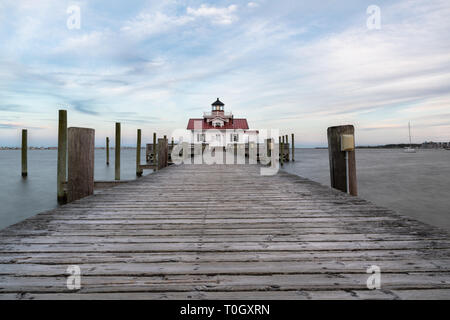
(23, 198)
(416, 185)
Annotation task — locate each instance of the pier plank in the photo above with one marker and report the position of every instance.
(223, 232)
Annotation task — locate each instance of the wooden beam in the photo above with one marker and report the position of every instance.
(162, 153)
(293, 148)
(138, 154)
(287, 148)
(100, 184)
(147, 166)
(62, 155)
(24, 153)
(103, 184)
(81, 149)
(154, 148)
(107, 151)
(281, 149)
(117, 152)
(337, 160)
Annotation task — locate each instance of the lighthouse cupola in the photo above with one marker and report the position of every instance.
(217, 106)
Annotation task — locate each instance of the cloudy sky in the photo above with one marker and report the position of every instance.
(299, 66)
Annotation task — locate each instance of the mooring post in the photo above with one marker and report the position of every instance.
(81, 149)
(166, 152)
(269, 151)
(162, 153)
(281, 149)
(154, 148)
(117, 152)
(170, 151)
(293, 148)
(62, 156)
(107, 151)
(287, 148)
(138, 154)
(341, 151)
(24, 153)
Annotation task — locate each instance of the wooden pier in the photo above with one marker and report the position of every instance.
(222, 232)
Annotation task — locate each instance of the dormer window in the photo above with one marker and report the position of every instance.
(217, 123)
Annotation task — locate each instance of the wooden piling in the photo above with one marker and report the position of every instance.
(62, 156)
(154, 148)
(24, 153)
(280, 141)
(162, 153)
(293, 148)
(337, 159)
(81, 148)
(287, 148)
(269, 151)
(138, 154)
(107, 151)
(117, 152)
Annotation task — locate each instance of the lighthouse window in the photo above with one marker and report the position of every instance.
(234, 137)
(201, 137)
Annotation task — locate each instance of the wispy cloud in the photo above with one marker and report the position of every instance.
(224, 15)
(5, 125)
(84, 106)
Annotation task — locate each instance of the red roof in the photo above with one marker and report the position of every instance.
(234, 124)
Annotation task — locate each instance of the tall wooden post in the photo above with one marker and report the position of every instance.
(338, 161)
(162, 153)
(293, 148)
(154, 148)
(81, 149)
(117, 152)
(107, 151)
(170, 151)
(281, 149)
(24, 153)
(62, 156)
(268, 151)
(138, 154)
(287, 148)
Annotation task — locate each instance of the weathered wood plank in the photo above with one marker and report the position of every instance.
(230, 283)
(228, 268)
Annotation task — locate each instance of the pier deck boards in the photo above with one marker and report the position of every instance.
(223, 232)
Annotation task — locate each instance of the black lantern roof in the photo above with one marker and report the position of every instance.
(218, 103)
